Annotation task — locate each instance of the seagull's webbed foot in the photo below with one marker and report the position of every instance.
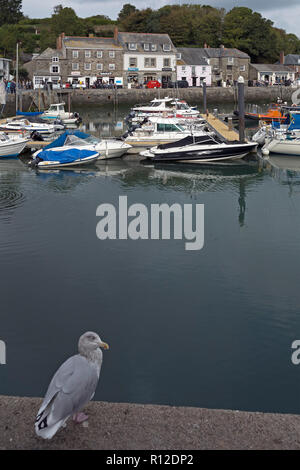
(80, 417)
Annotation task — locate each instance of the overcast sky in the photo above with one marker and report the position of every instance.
(284, 14)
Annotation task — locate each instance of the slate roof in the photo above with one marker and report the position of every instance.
(292, 59)
(49, 53)
(271, 67)
(219, 52)
(192, 56)
(146, 38)
(89, 43)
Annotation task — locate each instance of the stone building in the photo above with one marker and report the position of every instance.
(271, 73)
(292, 61)
(226, 64)
(80, 61)
(147, 57)
(192, 66)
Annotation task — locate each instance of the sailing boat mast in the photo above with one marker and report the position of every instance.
(17, 77)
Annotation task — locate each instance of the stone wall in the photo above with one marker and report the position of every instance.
(92, 97)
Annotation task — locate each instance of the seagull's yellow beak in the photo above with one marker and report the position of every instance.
(103, 345)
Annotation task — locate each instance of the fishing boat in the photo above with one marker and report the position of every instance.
(106, 148)
(11, 146)
(63, 157)
(199, 149)
(158, 130)
(57, 111)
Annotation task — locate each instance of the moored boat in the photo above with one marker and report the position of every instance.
(11, 146)
(65, 157)
(200, 149)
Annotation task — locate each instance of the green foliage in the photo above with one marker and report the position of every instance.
(10, 11)
(188, 25)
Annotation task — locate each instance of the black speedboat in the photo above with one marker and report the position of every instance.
(200, 149)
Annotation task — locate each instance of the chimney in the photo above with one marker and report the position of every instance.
(205, 45)
(59, 41)
(116, 32)
(281, 59)
(91, 35)
(222, 46)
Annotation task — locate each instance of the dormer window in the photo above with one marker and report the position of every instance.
(166, 47)
(230, 60)
(153, 47)
(146, 47)
(55, 59)
(132, 46)
(298, 61)
(178, 55)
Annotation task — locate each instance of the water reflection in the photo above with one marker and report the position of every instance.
(285, 169)
(11, 195)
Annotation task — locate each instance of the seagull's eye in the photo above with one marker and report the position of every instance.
(91, 337)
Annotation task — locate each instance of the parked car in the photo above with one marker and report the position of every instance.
(177, 84)
(153, 84)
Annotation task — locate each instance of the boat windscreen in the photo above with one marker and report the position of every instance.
(191, 140)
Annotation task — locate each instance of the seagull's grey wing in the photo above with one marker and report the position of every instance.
(72, 386)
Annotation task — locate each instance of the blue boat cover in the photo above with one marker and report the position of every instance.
(295, 122)
(60, 141)
(65, 156)
(24, 113)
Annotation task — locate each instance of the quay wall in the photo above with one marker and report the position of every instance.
(123, 426)
(96, 97)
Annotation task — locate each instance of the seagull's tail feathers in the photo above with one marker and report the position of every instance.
(45, 424)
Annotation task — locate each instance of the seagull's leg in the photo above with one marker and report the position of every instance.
(80, 417)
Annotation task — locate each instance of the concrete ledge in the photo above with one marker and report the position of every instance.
(119, 426)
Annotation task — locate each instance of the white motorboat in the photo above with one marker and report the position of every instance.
(57, 111)
(285, 144)
(199, 149)
(23, 125)
(106, 148)
(277, 129)
(158, 130)
(11, 146)
(165, 105)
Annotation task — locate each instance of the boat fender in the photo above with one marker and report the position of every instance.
(35, 135)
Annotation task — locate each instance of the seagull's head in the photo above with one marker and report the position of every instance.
(90, 341)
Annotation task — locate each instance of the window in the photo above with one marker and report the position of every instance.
(203, 69)
(146, 47)
(87, 66)
(87, 54)
(132, 62)
(298, 61)
(75, 66)
(99, 54)
(183, 78)
(149, 62)
(183, 68)
(55, 59)
(166, 62)
(132, 46)
(75, 54)
(242, 68)
(112, 54)
(193, 70)
(153, 47)
(112, 66)
(166, 47)
(54, 69)
(99, 66)
(178, 55)
(230, 60)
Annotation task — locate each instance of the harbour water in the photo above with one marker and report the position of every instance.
(210, 328)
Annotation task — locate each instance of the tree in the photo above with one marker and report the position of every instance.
(126, 11)
(10, 11)
(248, 31)
(66, 21)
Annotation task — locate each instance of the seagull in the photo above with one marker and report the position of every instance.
(72, 387)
